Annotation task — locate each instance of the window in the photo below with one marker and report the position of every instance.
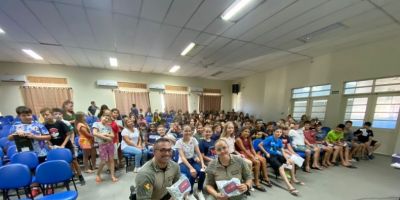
(355, 110)
(308, 101)
(318, 109)
(358, 87)
(387, 84)
(386, 112)
(299, 109)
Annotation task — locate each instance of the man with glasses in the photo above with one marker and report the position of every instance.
(157, 174)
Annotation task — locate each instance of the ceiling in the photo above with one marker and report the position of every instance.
(149, 35)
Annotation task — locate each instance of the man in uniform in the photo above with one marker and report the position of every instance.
(157, 174)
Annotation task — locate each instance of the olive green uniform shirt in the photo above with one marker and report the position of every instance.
(152, 182)
(237, 168)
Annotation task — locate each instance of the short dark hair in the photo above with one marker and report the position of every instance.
(341, 126)
(160, 140)
(307, 122)
(134, 105)
(57, 110)
(348, 122)
(23, 110)
(367, 124)
(45, 109)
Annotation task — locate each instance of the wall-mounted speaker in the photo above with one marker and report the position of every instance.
(235, 88)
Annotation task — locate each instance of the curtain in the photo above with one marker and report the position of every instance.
(210, 103)
(125, 99)
(37, 97)
(176, 101)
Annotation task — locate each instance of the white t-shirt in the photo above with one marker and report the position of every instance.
(297, 137)
(134, 136)
(231, 143)
(188, 148)
(103, 129)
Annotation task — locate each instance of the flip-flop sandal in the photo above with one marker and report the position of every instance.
(317, 168)
(351, 167)
(293, 192)
(266, 183)
(98, 180)
(260, 188)
(114, 180)
(89, 171)
(299, 182)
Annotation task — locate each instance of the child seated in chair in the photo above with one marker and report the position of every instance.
(365, 137)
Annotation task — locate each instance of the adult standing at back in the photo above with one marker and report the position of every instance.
(134, 110)
(92, 108)
(158, 173)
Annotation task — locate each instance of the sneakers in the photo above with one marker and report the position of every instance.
(371, 157)
(395, 165)
(191, 197)
(136, 170)
(82, 180)
(353, 160)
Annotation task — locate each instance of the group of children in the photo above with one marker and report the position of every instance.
(281, 145)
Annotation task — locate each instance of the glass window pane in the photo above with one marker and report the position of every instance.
(363, 90)
(321, 87)
(365, 83)
(300, 103)
(320, 102)
(396, 100)
(347, 116)
(299, 109)
(387, 88)
(300, 95)
(357, 116)
(350, 84)
(360, 101)
(302, 90)
(384, 124)
(318, 115)
(386, 116)
(356, 108)
(297, 115)
(319, 109)
(387, 108)
(357, 123)
(321, 93)
(384, 81)
(384, 100)
(350, 91)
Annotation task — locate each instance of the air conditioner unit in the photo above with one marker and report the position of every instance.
(196, 90)
(13, 78)
(156, 86)
(107, 83)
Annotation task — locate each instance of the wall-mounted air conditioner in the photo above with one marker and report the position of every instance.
(107, 83)
(155, 86)
(13, 78)
(196, 89)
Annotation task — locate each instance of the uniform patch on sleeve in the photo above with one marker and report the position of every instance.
(148, 186)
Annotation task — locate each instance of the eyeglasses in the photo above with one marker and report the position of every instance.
(165, 150)
(220, 149)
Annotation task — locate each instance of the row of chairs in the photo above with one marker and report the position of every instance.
(56, 169)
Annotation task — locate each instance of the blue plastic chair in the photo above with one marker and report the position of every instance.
(326, 129)
(27, 158)
(15, 176)
(3, 142)
(52, 172)
(60, 154)
(11, 151)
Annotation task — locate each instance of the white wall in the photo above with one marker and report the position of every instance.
(82, 80)
(268, 94)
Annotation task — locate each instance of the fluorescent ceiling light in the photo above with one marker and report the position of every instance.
(32, 54)
(113, 62)
(234, 9)
(188, 48)
(2, 31)
(174, 68)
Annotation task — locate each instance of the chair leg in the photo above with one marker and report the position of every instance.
(73, 181)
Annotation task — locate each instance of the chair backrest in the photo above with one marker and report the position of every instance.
(60, 154)
(14, 176)
(326, 129)
(11, 151)
(3, 142)
(27, 158)
(52, 172)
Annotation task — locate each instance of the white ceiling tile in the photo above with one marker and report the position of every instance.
(98, 4)
(24, 17)
(185, 37)
(208, 11)
(72, 2)
(144, 37)
(124, 29)
(96, 58)
(226, 50)
(205, 39)
(218, 26)
(163, 40)
(61, 55)
(181, 11)
(77, 23)
(13, 31)
(137, 62)
(153, 64)
(52, 21)
(280, 18)
(261, 13)
(78, 56)
(101, 23)
(155, 9)
(393, 8)
(127, 7)
(214, 46)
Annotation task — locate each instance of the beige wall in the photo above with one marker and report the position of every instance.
(270, 91)
(82, 80)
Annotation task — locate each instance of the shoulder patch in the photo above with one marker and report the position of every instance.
(148, 186)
